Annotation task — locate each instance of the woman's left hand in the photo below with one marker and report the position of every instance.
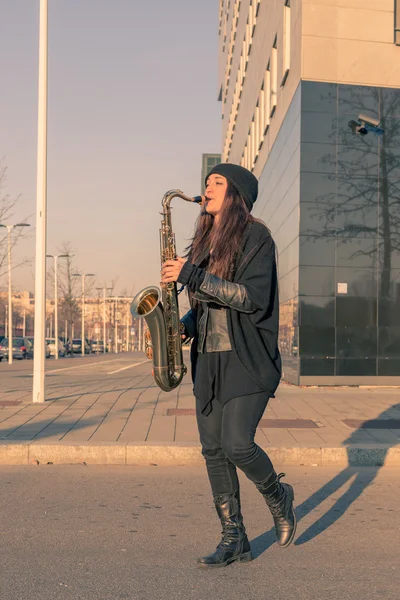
(171, 269)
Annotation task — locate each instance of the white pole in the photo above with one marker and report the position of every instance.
(10, 316)
(116, 328)
(24, 324)
(65, 331)
(41, 201)
(104, 321)
(127, 327)
(83, 316)
(140, 336)
(56, 306)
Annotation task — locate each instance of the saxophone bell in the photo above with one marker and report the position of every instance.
(160, 309)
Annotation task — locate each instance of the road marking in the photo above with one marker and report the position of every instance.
(82, 366)
(128, 367)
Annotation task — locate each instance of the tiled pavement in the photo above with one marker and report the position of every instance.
(124, 410)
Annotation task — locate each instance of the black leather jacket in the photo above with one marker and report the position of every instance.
(215, 295)
(251, 302)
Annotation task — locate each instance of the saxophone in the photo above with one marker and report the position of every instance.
(160, 309)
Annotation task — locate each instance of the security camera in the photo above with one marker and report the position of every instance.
(366, 124)
(368, 120)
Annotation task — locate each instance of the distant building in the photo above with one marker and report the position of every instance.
(209, 161)
(310, 94)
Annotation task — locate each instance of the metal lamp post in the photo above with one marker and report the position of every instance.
(104, 289)
(10, 323)
(56, 297)
(38, 389)
(83, 306)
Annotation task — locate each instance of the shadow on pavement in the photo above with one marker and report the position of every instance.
(16, 434)
(361, 479)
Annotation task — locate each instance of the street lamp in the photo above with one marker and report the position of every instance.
(38, 388)
(10, 331)
(104, 315)
(56, 297)
(83, 306)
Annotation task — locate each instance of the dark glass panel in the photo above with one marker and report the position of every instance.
(317, 311)
(353, 367)
(318, 127)
(389, 159)
(356, 220)
(357, 342)
(319, 97)
(318, 342)
(356, 160)
(317, 187)
(317, 366)
(317, 251)
(389, 311)
(355, 312)
(390, 99)
(360, 282)
(389, 342)
(317, 281)
(389, 283)
(317, 219)
(356, 99)
(389, 367)
(356, 252)
(318, 158)
(356, 190)
(391, 125)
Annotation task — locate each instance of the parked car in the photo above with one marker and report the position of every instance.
(98, 346)
(77, 346)
(55, 346)
(46, 348)
(21, 348)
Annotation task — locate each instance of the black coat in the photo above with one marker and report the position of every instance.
(254, 335)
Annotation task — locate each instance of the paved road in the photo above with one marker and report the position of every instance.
(113, 533)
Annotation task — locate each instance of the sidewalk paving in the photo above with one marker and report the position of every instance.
(126, 419)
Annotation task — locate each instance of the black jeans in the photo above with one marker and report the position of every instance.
(227, 439)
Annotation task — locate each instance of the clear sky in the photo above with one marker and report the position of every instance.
(132, 107)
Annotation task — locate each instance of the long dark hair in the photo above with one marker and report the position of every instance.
(224, 241)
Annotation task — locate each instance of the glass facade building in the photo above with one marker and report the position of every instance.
(330, 192)
(310, 98)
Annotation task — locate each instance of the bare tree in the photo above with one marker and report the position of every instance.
(7, 205)
(70, 308)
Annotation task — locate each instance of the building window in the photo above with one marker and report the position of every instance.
(257, 128)
(274, 77)
(267, 99)
(286, 41)
(397, 22)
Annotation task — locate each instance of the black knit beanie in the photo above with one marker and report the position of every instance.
(245, 182)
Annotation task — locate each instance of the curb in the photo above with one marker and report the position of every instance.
(142, 454)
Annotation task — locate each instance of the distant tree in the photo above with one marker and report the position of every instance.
(7, 205)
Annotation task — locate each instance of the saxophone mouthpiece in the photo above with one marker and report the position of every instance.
(199, 199)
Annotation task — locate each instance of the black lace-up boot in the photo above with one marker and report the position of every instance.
(279, 499)
(234, 545)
